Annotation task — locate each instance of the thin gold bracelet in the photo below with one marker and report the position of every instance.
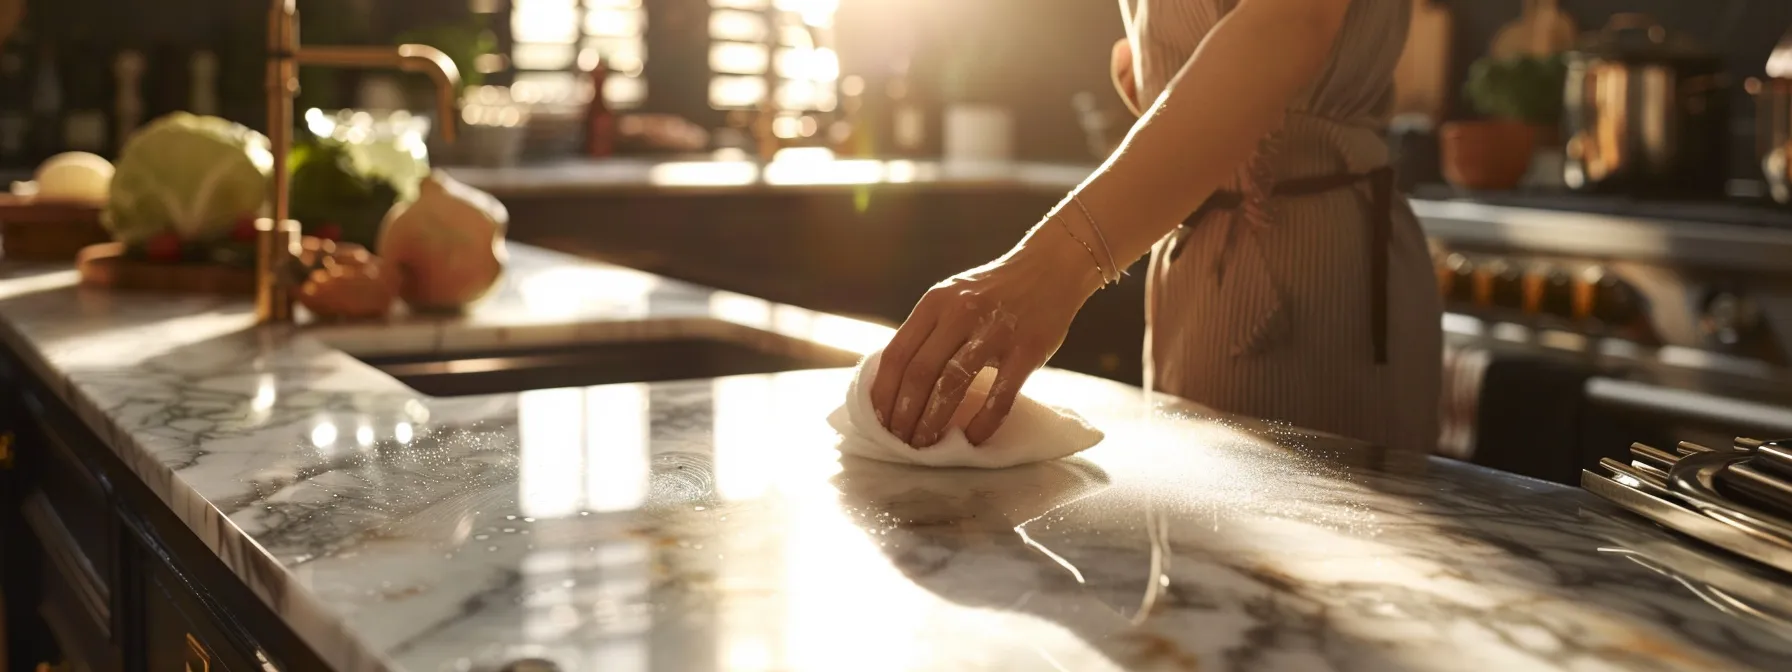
(1086, 248)
(1078, 200)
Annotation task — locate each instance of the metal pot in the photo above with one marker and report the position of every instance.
(1773, 121)
(1645, 113)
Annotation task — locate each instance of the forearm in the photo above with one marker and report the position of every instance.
(1230, 93)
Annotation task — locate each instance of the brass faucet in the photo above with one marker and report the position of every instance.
(277, 238)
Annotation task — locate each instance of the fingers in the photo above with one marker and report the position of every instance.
(1011, 374)
(896, 357)
(922, 373)
(949, 391)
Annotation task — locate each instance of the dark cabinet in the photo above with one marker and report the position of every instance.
(178, 633)
(98, 573)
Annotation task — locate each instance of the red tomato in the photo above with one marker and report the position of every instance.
(163, 247)
(244, 232)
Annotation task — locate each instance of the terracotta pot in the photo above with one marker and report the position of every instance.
(1490, 155)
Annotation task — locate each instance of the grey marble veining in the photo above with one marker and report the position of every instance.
(710, 525)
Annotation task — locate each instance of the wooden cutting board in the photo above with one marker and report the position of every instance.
(1422, 78)
(105, 266)
(1542, 28)
(34, 229)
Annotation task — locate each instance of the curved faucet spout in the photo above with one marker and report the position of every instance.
(407, 58)
(277, 240)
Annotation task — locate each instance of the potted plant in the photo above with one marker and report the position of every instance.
(1519, 100)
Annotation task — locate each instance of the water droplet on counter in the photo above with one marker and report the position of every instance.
(491, 548)
(528, 520)
(510, 517)
(699, 508)
(481, 537)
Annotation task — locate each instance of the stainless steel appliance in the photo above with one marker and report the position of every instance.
(1737, 496)
(1572, 334)
(1645, 111)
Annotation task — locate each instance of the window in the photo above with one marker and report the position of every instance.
(780, 48)
(556, 41)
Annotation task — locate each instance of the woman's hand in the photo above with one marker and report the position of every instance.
(1120, 66)
(1010, 314)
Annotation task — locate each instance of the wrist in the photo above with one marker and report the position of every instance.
(1064, 258)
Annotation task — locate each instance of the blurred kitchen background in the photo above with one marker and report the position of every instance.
(702, 59)
(1604, 181)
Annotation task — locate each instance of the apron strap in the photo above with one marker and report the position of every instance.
(1381, 231)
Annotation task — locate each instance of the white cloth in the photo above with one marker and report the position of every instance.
(1033, 431)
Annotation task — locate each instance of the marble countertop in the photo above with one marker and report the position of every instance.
(710, 524)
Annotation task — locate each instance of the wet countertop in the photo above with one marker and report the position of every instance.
(711, 525)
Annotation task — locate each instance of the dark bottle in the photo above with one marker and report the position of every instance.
(128, 69)
(88, 88)
(600, 121)
(202, 83)
(16, 61)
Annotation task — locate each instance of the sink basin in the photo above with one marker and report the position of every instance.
(516, 370)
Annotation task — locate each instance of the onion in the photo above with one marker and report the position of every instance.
(74, 176)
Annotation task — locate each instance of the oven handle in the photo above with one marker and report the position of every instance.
(1725, 411)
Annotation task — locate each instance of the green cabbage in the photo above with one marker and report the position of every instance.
(195, 176)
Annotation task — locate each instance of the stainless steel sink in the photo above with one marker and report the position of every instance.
(515, 370)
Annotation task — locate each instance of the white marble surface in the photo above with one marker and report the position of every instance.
(709, 525)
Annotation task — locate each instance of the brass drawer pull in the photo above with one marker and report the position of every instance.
(198, 659)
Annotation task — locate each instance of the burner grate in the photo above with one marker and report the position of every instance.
(1738, 498)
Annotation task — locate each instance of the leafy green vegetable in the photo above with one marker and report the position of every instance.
(329, 192)
(1524, 88)
(195, 176)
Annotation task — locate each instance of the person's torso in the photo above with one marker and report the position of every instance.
(1341, 114)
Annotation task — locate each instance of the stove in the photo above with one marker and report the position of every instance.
(1736, 497)
(1577, 328)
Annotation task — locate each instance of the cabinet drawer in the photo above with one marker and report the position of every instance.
(85, 643)
(182, 633)
(73, 491)
(73, 603)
